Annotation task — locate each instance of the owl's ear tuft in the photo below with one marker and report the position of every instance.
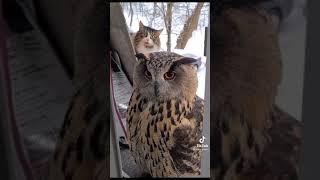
(141, 57)
(188, 61)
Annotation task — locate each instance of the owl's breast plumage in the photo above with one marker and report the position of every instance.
(162, 135)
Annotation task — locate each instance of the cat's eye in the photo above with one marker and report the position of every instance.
(170, 75)
(147, 74)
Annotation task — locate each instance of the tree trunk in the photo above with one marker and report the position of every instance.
(189, 27)
(131, 13)
(154, 13)
(168, 22)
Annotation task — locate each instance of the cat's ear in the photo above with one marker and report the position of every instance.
(141, 26)
(158, 32)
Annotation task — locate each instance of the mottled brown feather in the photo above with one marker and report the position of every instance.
(247, 73)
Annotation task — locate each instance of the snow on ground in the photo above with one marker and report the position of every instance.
(194, 47)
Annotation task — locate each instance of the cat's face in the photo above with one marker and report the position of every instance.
(147, 38)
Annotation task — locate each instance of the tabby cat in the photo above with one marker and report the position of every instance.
(146, 40)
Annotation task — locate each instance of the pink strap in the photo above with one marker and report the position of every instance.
(114, 104)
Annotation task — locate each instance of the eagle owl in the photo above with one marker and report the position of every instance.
(253, 139)
(165, 115)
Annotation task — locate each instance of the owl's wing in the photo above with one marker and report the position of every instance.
(80, 151)
(280, 158)
(184, 153)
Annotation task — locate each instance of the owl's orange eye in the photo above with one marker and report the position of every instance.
(169, 75)
(148, 74)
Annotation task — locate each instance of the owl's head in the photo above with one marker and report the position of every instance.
(165, 75)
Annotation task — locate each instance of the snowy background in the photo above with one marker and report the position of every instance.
(195, 45)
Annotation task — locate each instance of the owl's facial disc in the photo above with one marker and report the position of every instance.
(164, 76)
(156, 88)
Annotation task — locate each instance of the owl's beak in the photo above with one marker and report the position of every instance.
(156, 88)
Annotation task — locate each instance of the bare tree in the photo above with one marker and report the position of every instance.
(167, 16)
(179, 19)
(168, 23)
(150, 14)
(189, 26)
(187, 10)
(131, 13)
(154, 12)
